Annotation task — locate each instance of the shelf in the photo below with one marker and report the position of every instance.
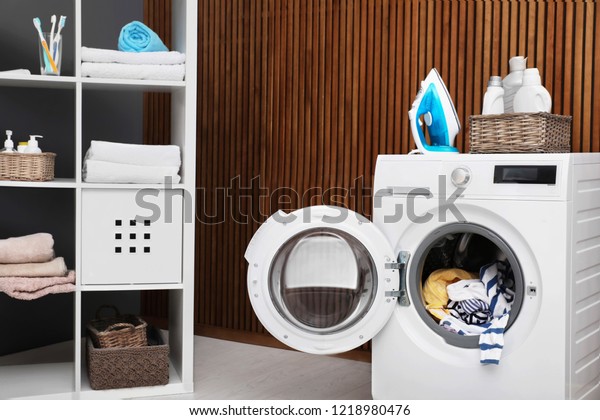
(42, 380)
(86, 108)
(37, 81)
(56, 183)
(131, 84)
(101, 186)
(43, 372)
(127, 287)
(70, 82)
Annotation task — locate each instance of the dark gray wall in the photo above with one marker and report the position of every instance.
(107, 115)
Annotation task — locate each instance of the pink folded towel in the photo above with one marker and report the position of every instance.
(26, 288)
(36, 248)
(54, 268)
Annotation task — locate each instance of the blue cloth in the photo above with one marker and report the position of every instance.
(137, 37)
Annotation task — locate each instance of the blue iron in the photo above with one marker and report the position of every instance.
(434, 104)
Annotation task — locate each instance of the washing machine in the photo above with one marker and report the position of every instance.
(325, 280)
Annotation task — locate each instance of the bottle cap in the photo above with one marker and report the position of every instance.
(517, 63)
(22, 143)
(531, 77)
(8, 134)
(495, 81)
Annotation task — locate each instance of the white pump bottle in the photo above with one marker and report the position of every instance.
(32, 145)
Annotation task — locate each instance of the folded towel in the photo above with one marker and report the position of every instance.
(26, 288)
(137, 37)
(174, 72)
(54, 268)
(134, 154)
(119, 173)
(20, 72)
(98, 55)
(34, 248)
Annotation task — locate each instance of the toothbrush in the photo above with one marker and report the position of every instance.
(53, 20)
(38, 26)
(54, 45)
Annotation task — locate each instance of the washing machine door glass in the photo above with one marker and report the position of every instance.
(321, 280)
(322, 287)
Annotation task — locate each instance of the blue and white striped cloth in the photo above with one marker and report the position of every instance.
(496, 279)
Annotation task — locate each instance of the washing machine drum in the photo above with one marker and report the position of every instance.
(467, 247)
(322, 281)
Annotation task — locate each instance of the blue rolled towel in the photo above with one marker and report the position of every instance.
(137, 37)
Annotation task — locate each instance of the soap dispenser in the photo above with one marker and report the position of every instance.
(9, 145)
(32, 144)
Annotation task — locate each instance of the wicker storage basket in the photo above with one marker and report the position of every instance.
(129, 367)
(117, 330)
(27, 166)
(520, 133)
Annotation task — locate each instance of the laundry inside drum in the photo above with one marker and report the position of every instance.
(322, 281)
(468, 282)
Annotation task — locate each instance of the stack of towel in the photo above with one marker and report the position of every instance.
(29, 270)
(141, 55)
(131, 163)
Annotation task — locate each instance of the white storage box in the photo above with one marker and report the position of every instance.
(131, 236)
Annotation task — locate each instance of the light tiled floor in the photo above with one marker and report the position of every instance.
(228, 370)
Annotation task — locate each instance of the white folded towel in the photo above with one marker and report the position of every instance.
(20, 72)
(118, 173)
(99, 55)
(134, 154)
(174, 72)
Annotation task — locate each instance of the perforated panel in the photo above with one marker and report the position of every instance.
(131, 237)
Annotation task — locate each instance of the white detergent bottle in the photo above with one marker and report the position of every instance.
(493, 100)
(9, 145)
(32, 145)
(513, 81)
(532, 97)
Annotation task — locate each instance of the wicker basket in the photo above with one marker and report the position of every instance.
(117, 330)
(129, 367)
(520, 133)
(27, 166)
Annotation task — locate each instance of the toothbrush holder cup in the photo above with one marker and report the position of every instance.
(55, 50)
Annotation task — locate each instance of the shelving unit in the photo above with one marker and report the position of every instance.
(59, 371)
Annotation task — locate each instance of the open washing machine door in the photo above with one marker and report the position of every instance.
(323, 279)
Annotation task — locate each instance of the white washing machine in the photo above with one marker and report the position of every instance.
(325, 280)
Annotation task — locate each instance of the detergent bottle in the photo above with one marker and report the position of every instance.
(493, 100)
(513, 81)
(532, 96)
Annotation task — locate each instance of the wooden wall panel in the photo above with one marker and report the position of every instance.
(296, 98)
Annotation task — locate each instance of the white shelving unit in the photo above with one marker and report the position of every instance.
(59, 371)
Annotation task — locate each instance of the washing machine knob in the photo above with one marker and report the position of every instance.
(461, 177)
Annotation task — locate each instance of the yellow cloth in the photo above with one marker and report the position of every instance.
(434, 289)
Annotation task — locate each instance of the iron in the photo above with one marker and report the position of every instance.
(434, 104)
